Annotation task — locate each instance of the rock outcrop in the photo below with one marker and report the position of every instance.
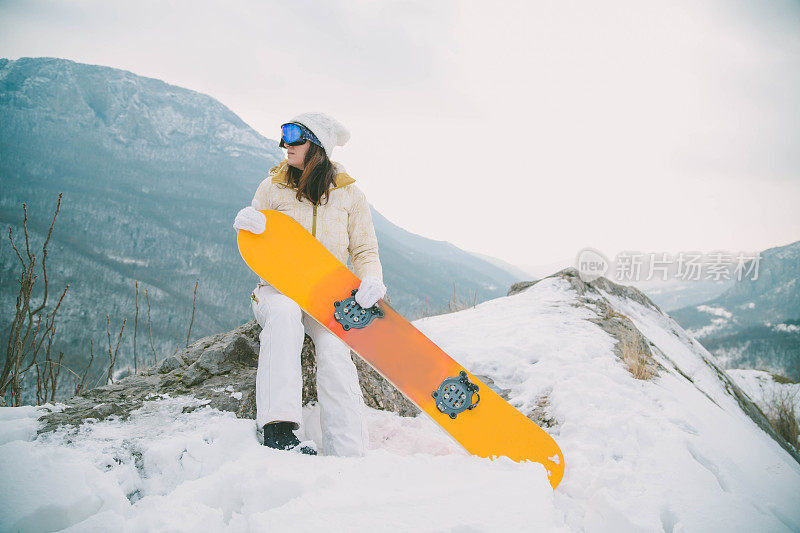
(220, 369)
(630, 340)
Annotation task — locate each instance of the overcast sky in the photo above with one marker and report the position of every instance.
(526, 130)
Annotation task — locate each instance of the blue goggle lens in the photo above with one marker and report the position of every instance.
(291, 132)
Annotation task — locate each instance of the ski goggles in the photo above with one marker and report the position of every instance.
(296, 134)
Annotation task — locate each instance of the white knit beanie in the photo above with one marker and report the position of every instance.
(329, 131)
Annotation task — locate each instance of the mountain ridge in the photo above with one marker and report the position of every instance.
(750, 325)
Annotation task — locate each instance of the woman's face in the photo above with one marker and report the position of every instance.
(297, 154)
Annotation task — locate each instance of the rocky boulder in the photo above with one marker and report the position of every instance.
(220, 369)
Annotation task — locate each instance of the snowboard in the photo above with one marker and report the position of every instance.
(293, 261)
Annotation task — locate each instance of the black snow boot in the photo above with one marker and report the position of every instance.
(279, 435)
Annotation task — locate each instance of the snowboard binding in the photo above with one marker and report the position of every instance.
(351, 315)
(455, 394)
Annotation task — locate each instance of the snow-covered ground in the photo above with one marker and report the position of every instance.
(204, 471)
(675, 453)
(764, 390)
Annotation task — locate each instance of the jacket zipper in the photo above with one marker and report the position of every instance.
(314, 223)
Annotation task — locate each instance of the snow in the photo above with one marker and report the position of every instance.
(786, 328)
(234, 394)
(717, 324)
(675, 453)
(204, 470)
(127, 260)
(763, 388)
(717, 311)
(20, 423)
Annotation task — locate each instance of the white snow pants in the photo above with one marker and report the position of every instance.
(279, 381)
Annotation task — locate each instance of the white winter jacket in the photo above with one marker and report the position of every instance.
(343, 224)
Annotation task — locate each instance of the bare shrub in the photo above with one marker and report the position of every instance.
(782, 413)
(455, 303)
(112, 356)
(610, 313)
(79, 385)
(635, 359)
(32, 327)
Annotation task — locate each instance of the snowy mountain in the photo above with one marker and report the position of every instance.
(667, 294)
(422, 271)
(755, 323)
(515, 270)
(676, 293)
(152, 176)
(680, 448)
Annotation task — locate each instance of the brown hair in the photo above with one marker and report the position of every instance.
(316, 178)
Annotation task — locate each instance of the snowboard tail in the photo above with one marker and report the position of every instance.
(293, 261)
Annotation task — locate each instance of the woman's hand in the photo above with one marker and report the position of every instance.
(250, 219)
(370, 291)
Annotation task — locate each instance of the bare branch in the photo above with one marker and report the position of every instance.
(110, 358)
(54, 377)
(116, 351)
(25, 228)
(79, 386)
(150, 328)
(59, 364)
(44, 252)
(14, 246)
(194, 300)
(135, 328)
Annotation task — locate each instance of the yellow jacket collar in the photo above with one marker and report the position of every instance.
(279, 174)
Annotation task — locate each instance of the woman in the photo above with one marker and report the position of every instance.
(321, 196)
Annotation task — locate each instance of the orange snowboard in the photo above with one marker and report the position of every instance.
(294, 262)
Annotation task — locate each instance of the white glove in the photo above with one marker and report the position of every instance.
(250, 219)
(370, 291)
